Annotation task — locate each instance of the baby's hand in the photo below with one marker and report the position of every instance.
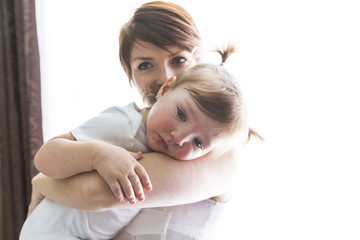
(122, 172)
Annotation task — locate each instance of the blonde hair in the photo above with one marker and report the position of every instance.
(218, 95)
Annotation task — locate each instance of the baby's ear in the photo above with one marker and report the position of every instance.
(171, 81)
(166, 86)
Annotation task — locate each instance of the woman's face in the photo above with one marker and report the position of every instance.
(151, 66)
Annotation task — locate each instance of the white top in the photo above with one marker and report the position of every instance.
(121, 126)
(194, 221)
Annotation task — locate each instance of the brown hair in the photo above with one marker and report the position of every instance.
(160, 23)
(218, 95)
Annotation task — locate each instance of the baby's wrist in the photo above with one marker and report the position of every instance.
(100, 153)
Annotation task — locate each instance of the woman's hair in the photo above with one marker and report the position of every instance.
(218, 95)
(162, 24)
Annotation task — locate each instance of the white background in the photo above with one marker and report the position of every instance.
(299, 66)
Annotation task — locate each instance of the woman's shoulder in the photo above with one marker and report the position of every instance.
(131, 107)
(223, 170)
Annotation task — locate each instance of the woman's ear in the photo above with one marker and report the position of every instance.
(166, 87)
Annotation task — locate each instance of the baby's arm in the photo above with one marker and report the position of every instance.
(63, 156)
(174, 182)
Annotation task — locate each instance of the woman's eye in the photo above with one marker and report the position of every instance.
(198, 143)
(179, 60)
(181, 114)
(144, 66)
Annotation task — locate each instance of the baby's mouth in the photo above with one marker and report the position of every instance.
(162, 142)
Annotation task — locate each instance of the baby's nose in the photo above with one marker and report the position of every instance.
(179, 137)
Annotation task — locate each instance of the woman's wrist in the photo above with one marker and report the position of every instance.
(76, 192)
(36, 185)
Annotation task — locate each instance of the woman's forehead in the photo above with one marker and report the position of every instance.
(145, 48)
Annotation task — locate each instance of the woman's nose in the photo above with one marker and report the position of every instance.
(165, 74)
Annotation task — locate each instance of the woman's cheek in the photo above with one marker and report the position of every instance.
(139, 83)
(142, 79)
(146, 78)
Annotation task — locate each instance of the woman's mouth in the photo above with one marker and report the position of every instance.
(162, 142)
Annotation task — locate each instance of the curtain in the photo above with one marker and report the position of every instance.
(20, 110)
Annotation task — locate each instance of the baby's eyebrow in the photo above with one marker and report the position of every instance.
(189, 106)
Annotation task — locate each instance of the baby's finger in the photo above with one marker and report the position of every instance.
(144, 177)
(121, 195)
(116, 189)
(138, 189)
(136, 155)
(128, 190)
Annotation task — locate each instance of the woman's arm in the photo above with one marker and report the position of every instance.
(72, 192)
(174, 182)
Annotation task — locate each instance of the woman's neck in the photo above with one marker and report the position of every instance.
(144, 113)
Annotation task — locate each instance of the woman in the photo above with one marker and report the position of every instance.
(160, 41)
(187, 121)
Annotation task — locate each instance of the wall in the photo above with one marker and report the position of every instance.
(298, 63)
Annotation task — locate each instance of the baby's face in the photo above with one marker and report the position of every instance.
(176, 126)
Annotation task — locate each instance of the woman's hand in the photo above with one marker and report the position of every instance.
(36, 196)
(122, 172)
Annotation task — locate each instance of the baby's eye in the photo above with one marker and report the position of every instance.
(181, 114)
(198, 143)
(144, 66)
(179, 60)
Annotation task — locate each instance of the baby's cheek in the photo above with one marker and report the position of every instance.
(151, 143)
(163, 123)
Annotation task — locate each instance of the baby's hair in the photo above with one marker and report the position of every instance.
(252, 133)
(226, 52)
(218, 95)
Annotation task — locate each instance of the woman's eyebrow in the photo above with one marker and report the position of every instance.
(143, 58)
(176, 53)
